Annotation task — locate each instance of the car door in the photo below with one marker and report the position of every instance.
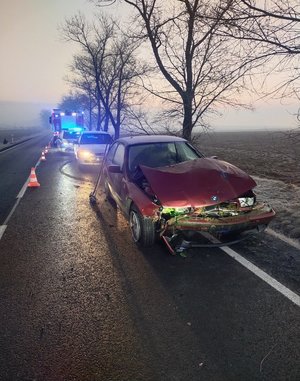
(116, 180)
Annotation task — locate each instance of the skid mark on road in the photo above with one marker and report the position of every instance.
(63, 172)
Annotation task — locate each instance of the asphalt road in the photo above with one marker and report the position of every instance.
(79, 301)
(15, 164)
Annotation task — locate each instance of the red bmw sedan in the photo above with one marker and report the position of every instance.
(165, 187)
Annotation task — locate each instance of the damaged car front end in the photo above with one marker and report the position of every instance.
(169, 189)
(204, 195)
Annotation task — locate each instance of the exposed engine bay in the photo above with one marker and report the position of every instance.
(241, 205)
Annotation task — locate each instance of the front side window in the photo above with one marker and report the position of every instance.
(118, 158)
(111, 152)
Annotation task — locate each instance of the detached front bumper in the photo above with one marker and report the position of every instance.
(183, 233)
(258, 218)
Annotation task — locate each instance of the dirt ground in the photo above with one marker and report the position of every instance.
(273, 158)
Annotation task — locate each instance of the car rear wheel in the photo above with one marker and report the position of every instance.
(142, 229)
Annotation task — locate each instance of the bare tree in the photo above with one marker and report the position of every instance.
(272, 28)
(108, 61)
(204, 70)
(93, 41)
(209, 51)
(82, 79)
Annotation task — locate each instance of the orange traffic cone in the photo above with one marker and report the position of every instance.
(43, 158)
(33, 179)
(46, 149)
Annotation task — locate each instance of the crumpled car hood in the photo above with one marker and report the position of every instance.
(200, 182)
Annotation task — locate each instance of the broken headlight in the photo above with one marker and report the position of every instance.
(246, 202)
(172, 212)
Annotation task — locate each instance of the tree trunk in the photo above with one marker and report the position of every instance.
(90, 113)
(106, 122)
(187, 118)
(106, 118)
(99, 116)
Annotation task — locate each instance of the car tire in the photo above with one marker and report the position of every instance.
(142, 229)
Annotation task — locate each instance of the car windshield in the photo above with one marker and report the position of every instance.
(95, 139)
(71, 135)
(160, 154)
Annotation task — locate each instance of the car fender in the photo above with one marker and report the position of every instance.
(137, 197)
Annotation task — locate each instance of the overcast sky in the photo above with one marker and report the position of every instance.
(34, 60)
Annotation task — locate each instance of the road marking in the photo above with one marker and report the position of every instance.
(23, 189)
(262, 275)
(12, 211)
(283, 238)
(292, 296)
(19, 197)
(2, 230)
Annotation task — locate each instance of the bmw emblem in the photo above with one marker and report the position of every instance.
(214, 198)
(224, 175)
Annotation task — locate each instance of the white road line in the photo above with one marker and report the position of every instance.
(23, 189)
(19, 196)
(292, 296)
(2, 230)
(262, 275)
(12, 211)
(283, 238)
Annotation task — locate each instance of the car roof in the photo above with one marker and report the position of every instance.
(141, 139)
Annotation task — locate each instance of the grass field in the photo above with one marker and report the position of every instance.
(274, 155)
(273, 158)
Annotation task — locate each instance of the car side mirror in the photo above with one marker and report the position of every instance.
(114, 168)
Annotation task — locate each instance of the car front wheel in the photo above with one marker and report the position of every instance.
(142, 229)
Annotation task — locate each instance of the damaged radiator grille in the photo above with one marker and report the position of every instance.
(221, 210)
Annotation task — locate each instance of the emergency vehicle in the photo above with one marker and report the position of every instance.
(66, 120)
(67, 127)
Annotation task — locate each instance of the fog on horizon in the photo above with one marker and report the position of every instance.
(34, 62)
(21, 114)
